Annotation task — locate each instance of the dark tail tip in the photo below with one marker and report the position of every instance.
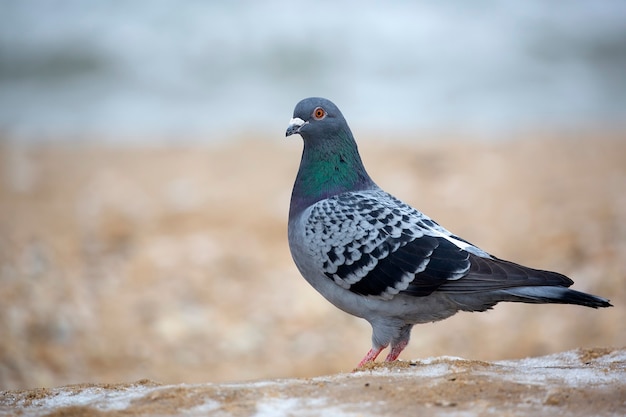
(584, 299)
(558, 295)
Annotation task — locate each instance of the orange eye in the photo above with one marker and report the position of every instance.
(319, 113)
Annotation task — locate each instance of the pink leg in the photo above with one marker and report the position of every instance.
(396, 350)
(371, 356)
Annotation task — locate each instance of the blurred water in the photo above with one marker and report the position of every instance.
(157, 69)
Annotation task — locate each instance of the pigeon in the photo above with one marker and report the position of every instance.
(375, 257)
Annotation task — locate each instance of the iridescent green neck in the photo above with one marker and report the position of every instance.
(328, 168)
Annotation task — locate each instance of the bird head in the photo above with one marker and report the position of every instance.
(316, 117)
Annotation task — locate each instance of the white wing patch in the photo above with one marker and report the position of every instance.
(458, 243)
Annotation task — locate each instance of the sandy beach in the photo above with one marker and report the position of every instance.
(171, 264)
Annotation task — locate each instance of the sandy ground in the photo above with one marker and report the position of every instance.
(170, 264)
(582, 383)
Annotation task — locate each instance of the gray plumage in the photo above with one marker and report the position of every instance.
(378, 258)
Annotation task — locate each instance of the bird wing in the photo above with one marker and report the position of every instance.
(488, 274)
(373, 244)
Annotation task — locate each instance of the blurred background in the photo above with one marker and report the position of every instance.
(145, 178)
(211, 68)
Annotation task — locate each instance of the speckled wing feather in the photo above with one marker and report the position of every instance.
(373, 244)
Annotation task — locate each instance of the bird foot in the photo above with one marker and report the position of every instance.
(371, 356)
(392, 356)
(395, 351)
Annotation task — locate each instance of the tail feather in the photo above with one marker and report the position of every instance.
(534, 295)
(556, 295)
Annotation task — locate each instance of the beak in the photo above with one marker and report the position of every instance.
(295, 125)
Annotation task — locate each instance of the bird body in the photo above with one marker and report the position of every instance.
(375, 257)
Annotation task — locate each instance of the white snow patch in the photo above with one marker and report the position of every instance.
(259, 384)
(100, 398)
(201, 409)
(565, 368)
(279, 407)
